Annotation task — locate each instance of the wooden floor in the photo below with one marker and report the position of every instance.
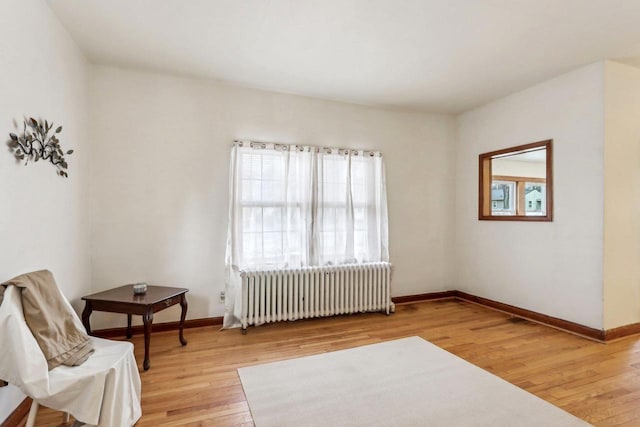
(198, 385)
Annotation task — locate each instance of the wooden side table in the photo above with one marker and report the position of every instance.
(123, 300)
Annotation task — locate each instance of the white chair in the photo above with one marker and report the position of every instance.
(104, 391)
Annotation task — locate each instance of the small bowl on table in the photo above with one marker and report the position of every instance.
(139, 288)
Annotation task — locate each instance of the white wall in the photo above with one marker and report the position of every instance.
(555, 267)
(159, 174)
(42, 216)
(621, 195)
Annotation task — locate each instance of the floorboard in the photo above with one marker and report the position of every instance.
(198, 385)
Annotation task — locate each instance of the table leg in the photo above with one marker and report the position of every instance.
(86, 314)
(183, 315)
(147, 318)
(129, 332)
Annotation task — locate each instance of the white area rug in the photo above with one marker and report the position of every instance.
(406, 382)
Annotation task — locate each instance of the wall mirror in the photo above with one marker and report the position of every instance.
(516, 184)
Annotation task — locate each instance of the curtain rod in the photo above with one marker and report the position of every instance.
(264, 143)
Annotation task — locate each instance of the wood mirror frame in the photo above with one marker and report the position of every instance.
(486, 178)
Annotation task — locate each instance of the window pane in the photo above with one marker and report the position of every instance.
(272, 244)
(251, 165)
(341, 219)
(251, 219)
(328, 243)
(272, 219)
(503, 198)
(360, 243)
(272, 191)
(251, 190)
(359, 218)
(291, 218)
(358, 192)
(535, 196)
(252, 246)
(357, 170)
(341, 243)
(269, 167)
(328, 219)
(293, 243)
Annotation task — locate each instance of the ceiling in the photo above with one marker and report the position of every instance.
(434, 55)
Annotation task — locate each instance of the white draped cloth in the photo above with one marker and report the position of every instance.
(293, 206)
(104, 391)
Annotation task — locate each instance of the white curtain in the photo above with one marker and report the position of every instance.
(296, 206)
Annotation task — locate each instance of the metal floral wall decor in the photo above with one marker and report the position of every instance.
(38, 142)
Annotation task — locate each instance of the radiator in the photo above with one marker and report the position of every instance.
(292, 294)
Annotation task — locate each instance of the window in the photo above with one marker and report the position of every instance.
(515, 184)
(300, 206)
(266, 239)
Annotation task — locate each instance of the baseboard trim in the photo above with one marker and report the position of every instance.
(555, 322)
(622, 331)
(158, 327)
(18, 414)
(424, 297)
(599, 335)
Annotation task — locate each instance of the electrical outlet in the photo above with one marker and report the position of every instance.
(222, 296)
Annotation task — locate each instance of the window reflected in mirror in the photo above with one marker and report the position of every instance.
(515, 183)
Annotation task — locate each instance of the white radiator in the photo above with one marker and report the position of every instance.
(291, 294)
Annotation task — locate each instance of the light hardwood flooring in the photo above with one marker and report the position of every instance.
(198, 385)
